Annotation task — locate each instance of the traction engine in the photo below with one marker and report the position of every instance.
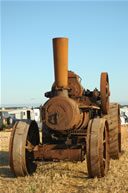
(75, 122)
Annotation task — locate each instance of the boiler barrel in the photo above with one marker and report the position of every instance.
(60, 52)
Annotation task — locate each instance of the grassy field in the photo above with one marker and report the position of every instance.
(61, 177)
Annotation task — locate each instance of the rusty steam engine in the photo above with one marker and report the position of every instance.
(76, 122)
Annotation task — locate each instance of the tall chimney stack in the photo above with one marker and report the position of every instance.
(60, 53)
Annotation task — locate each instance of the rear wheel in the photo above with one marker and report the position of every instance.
(97, 147)
(24, 137)
(113, 118)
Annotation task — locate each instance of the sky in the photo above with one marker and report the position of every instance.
(98, 42)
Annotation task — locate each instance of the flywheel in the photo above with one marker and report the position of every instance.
(104, 92)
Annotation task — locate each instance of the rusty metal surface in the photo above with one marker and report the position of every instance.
(85, 121)
(60, 51)
(62, 113)
(89, 107)
(24, 137)
(119, 128)
(113, 118)
(74, 85)
(11, 148)
(97, 147)
(105, 93)
(57, 152)
(72, 123)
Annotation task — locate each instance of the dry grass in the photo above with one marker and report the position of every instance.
(66, 177)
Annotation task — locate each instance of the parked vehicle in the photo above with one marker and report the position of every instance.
(6, 121)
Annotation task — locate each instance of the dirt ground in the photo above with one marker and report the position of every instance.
(61, 177)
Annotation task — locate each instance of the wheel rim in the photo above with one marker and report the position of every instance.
(113, 118)
(104, 91)
(24, 137)
(11, 148)
(119, 129)
(104, 148)
(97, 148)
(105, 151)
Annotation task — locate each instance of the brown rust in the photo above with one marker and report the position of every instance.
(73, 123)
(75, 88)
(24, 134)
(119, 129)
(60, 51)
(98, 147)
(74, 84)
(57, 152)
(11, 148)
(57, 109)
(105, 93)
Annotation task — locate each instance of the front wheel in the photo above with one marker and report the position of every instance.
(97, 147)
(24, 137)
